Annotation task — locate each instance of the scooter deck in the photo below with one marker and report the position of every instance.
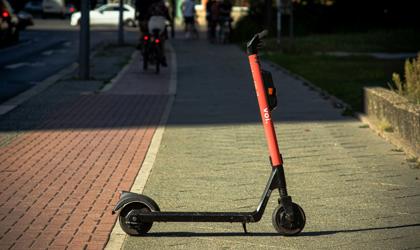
(197, 216)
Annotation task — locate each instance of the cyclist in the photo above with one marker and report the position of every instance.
(159, 15)
(142, 16)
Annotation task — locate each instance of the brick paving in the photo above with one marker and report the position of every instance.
(59, 181)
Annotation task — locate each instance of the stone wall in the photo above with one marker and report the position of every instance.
(386, 106)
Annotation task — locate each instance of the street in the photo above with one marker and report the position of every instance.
(44, 49)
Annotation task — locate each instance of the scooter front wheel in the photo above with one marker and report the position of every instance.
(289, 226)
(129, 220)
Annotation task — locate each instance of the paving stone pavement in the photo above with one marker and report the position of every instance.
(62, 168)
(357, 190)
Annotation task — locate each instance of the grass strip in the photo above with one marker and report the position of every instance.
(343, 77)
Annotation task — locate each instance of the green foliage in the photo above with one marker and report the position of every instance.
(398, 83)
(410, 88)
(385, 126)
(254, 22)
(405, 40)
(325, 16)
(256, 10)
(245, 28)
(344, 77)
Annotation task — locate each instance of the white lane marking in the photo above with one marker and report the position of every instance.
(6, 108)
(22, 97)
(48, 52)
(37, 64)
(23, 64)
(67, 44)
(16, 65)
(62, 51)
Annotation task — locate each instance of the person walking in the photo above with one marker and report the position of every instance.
(212, 16)
(188, 11)
(225, 21)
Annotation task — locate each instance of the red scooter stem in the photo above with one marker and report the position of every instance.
(269, 130)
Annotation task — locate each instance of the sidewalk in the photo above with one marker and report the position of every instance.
(358, 191)
(66, 153)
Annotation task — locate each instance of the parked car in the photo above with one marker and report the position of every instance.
(9, 24)
(54, 7)
(25, 19)
(34, 6)
(107, 14)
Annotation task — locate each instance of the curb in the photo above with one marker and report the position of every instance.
(111, 83)
(118, 236)
(336, 102)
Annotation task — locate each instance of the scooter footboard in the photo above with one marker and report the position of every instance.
(197, 217)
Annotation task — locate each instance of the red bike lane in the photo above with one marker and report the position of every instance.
(59, 182)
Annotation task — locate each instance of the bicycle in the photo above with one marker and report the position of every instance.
(152, 50)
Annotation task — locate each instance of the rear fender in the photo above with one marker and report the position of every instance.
(125, 199)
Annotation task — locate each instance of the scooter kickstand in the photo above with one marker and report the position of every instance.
(244, 226)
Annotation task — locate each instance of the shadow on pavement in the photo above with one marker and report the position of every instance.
(356, 230)
(265, 234)
(214, 87)
(205, 234)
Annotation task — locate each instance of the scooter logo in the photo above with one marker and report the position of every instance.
(267, 117)
(255, 85)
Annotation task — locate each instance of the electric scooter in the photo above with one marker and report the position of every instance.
(138, 212)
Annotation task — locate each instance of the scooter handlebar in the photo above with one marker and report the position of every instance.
(263, 34)
(256, 42)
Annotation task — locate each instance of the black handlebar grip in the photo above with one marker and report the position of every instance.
(263, 34)
(255, 42)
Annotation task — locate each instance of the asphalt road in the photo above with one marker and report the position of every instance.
(44, 49)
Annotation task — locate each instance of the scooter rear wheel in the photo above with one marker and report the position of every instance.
(289, 227)
(128, 215)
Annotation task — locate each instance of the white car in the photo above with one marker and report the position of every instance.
(107, 14)
(53, 7)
